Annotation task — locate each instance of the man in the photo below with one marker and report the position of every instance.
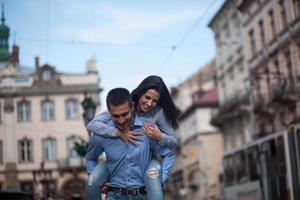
(126, 163)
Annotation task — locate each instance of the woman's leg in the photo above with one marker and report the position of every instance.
(95, 181)
(152, 180)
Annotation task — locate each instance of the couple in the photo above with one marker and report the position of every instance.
(130, 140)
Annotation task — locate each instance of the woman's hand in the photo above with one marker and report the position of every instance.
(130, 137)
(152, 131)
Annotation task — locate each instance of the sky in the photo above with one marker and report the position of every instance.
(130, 39)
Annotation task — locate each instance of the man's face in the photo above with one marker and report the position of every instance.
(121, 115)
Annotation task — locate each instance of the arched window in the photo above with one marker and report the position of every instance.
(25, 148)
(24, 110)
(49, 149)
(47, 110)
(71, 109)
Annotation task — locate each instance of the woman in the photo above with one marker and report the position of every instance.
(153, 102)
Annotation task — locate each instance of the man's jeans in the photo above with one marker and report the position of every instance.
(95, 181)
(100, 174)
(118, 196)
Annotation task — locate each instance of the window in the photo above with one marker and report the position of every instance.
(46, 76)
(228, 170)
(282, 15)
(227, 31)
(252, 42)
(272, 25)
(47, 110)
(49, 149)
(71, 147)
(253, 163)
(71, 109)
(240, 167)
(262, 32)
(277, 67)
(237, 27)
(1, 152)
(289, 64)
(296, 8)
(25, 151)
(24, 111)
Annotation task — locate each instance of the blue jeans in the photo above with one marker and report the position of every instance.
(118, 196)
(96, 179)
(99, 176)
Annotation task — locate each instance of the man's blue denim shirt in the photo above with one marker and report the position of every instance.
(126, 163)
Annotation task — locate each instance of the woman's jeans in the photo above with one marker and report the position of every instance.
(99, 176)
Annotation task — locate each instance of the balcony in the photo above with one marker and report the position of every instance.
(284, 92)
(71, 163)
(232, 108)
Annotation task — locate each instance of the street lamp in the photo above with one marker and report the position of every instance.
(89, 108)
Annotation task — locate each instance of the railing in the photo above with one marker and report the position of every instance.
(284, 91)
(76, 162)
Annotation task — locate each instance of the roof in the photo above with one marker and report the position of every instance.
(208, 97)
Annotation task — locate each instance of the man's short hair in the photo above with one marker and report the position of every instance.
(118, 96)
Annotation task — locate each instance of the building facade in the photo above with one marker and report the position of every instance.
(233, 116)
(271, 31)
(195, 174)
(40, 123)
(261, 63)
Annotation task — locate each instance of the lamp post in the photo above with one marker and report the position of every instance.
(89, 108)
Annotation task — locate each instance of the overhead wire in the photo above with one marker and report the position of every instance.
(182, 39)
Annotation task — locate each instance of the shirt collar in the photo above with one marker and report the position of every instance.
(138, 121)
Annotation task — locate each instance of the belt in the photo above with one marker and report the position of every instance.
(124, 191)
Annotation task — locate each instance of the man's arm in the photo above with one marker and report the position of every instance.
(99, 125)
(94, 150)
(168, 158)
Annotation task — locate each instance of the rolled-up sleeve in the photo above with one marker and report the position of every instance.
(99, 125)
(169, 136)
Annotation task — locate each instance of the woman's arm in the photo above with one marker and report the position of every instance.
(99, 126)
(164, 131)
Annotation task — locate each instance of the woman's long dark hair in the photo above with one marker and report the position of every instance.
(171, 111)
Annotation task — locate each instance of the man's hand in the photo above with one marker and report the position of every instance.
(130, 137)
(152, 131)
(105, 187)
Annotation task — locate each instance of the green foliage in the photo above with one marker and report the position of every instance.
(80, 147)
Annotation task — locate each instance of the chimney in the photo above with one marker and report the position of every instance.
(15, 55)
(37, 62)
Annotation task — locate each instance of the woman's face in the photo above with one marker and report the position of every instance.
(148, 101)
